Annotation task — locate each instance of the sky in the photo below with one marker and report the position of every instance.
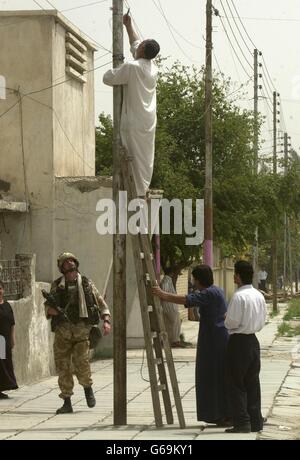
(179, 26)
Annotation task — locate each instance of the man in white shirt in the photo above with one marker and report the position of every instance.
(262, 276)
(246, 315)
(138, 120)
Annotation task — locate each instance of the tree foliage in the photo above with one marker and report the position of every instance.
(242, 200)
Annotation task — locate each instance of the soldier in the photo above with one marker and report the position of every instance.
(78, 305)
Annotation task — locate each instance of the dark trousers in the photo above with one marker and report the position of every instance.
(243, 367)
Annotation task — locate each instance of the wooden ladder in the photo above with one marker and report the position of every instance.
(155, 335)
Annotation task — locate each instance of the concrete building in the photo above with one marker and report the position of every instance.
(46, 126)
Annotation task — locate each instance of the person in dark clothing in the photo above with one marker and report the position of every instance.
(7, 335)
(211, 394)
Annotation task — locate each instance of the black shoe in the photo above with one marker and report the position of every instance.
(89, 396)
(239, 429)
(66, 408)
(223, 423)
(3, 396)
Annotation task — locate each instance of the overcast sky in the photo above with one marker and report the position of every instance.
(272, 26)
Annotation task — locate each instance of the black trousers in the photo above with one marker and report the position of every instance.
(243, 367)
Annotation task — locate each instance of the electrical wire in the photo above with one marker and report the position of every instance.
(83, 6)
(37, 3)
(233, 48)
(240, 19)
(160, 9)
(62, 128)
(239, 30)
(86, 34)
(236, 39)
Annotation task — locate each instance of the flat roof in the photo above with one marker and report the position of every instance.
(58, 16)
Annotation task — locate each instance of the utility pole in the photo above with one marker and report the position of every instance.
(255, 139)
(274, 242)
(287, 230)
(119, 240)
(208, 193)
(255, 149)
(285, 218)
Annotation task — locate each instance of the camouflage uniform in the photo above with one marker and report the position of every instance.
(71, 341)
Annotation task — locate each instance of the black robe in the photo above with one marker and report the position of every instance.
(7, 375)
(211, 388)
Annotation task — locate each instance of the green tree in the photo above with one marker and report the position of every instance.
(242, 200)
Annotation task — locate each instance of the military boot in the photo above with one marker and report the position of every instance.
(66, 408)
(89, 396)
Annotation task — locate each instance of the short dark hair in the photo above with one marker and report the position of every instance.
(203, 274)
(151, 49)
(2, 284)
(245, 271)
(168, 271)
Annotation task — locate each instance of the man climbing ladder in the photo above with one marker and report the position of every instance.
(138, 120)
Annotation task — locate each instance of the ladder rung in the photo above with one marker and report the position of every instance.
(161, 387)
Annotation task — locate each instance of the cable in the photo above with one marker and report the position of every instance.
(9, 109)
(83, 6)
(91, 38)
(239, 30)
(51, 4)
(134, 22)
(62, 128)
(240, 19)
(271, 19)
(233, 48)
(232, 31)
(37, 3)
(242, 85)
(268, 73)
(160, 9)
(65, 81)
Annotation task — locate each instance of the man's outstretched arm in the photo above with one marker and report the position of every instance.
(132, 35)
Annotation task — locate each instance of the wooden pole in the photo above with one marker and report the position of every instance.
(119, 240)
(274, 242)
(208, 193)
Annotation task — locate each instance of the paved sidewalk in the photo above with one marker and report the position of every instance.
(30, 413)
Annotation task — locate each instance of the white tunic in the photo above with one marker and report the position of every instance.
(246, 312)
(138, 120)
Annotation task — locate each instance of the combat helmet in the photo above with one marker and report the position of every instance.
(63, 257)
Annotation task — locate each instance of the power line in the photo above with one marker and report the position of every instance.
(239, 30)
(83, 6)
(51, 86)
(59, 11)
(268, 73)
(160, 9)
(233, 33)
(271, 19)
(134, 22)
(240, 19)
(37, 3)
(51, 4)
(62, 128)
(65, 81)
(233, 48)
